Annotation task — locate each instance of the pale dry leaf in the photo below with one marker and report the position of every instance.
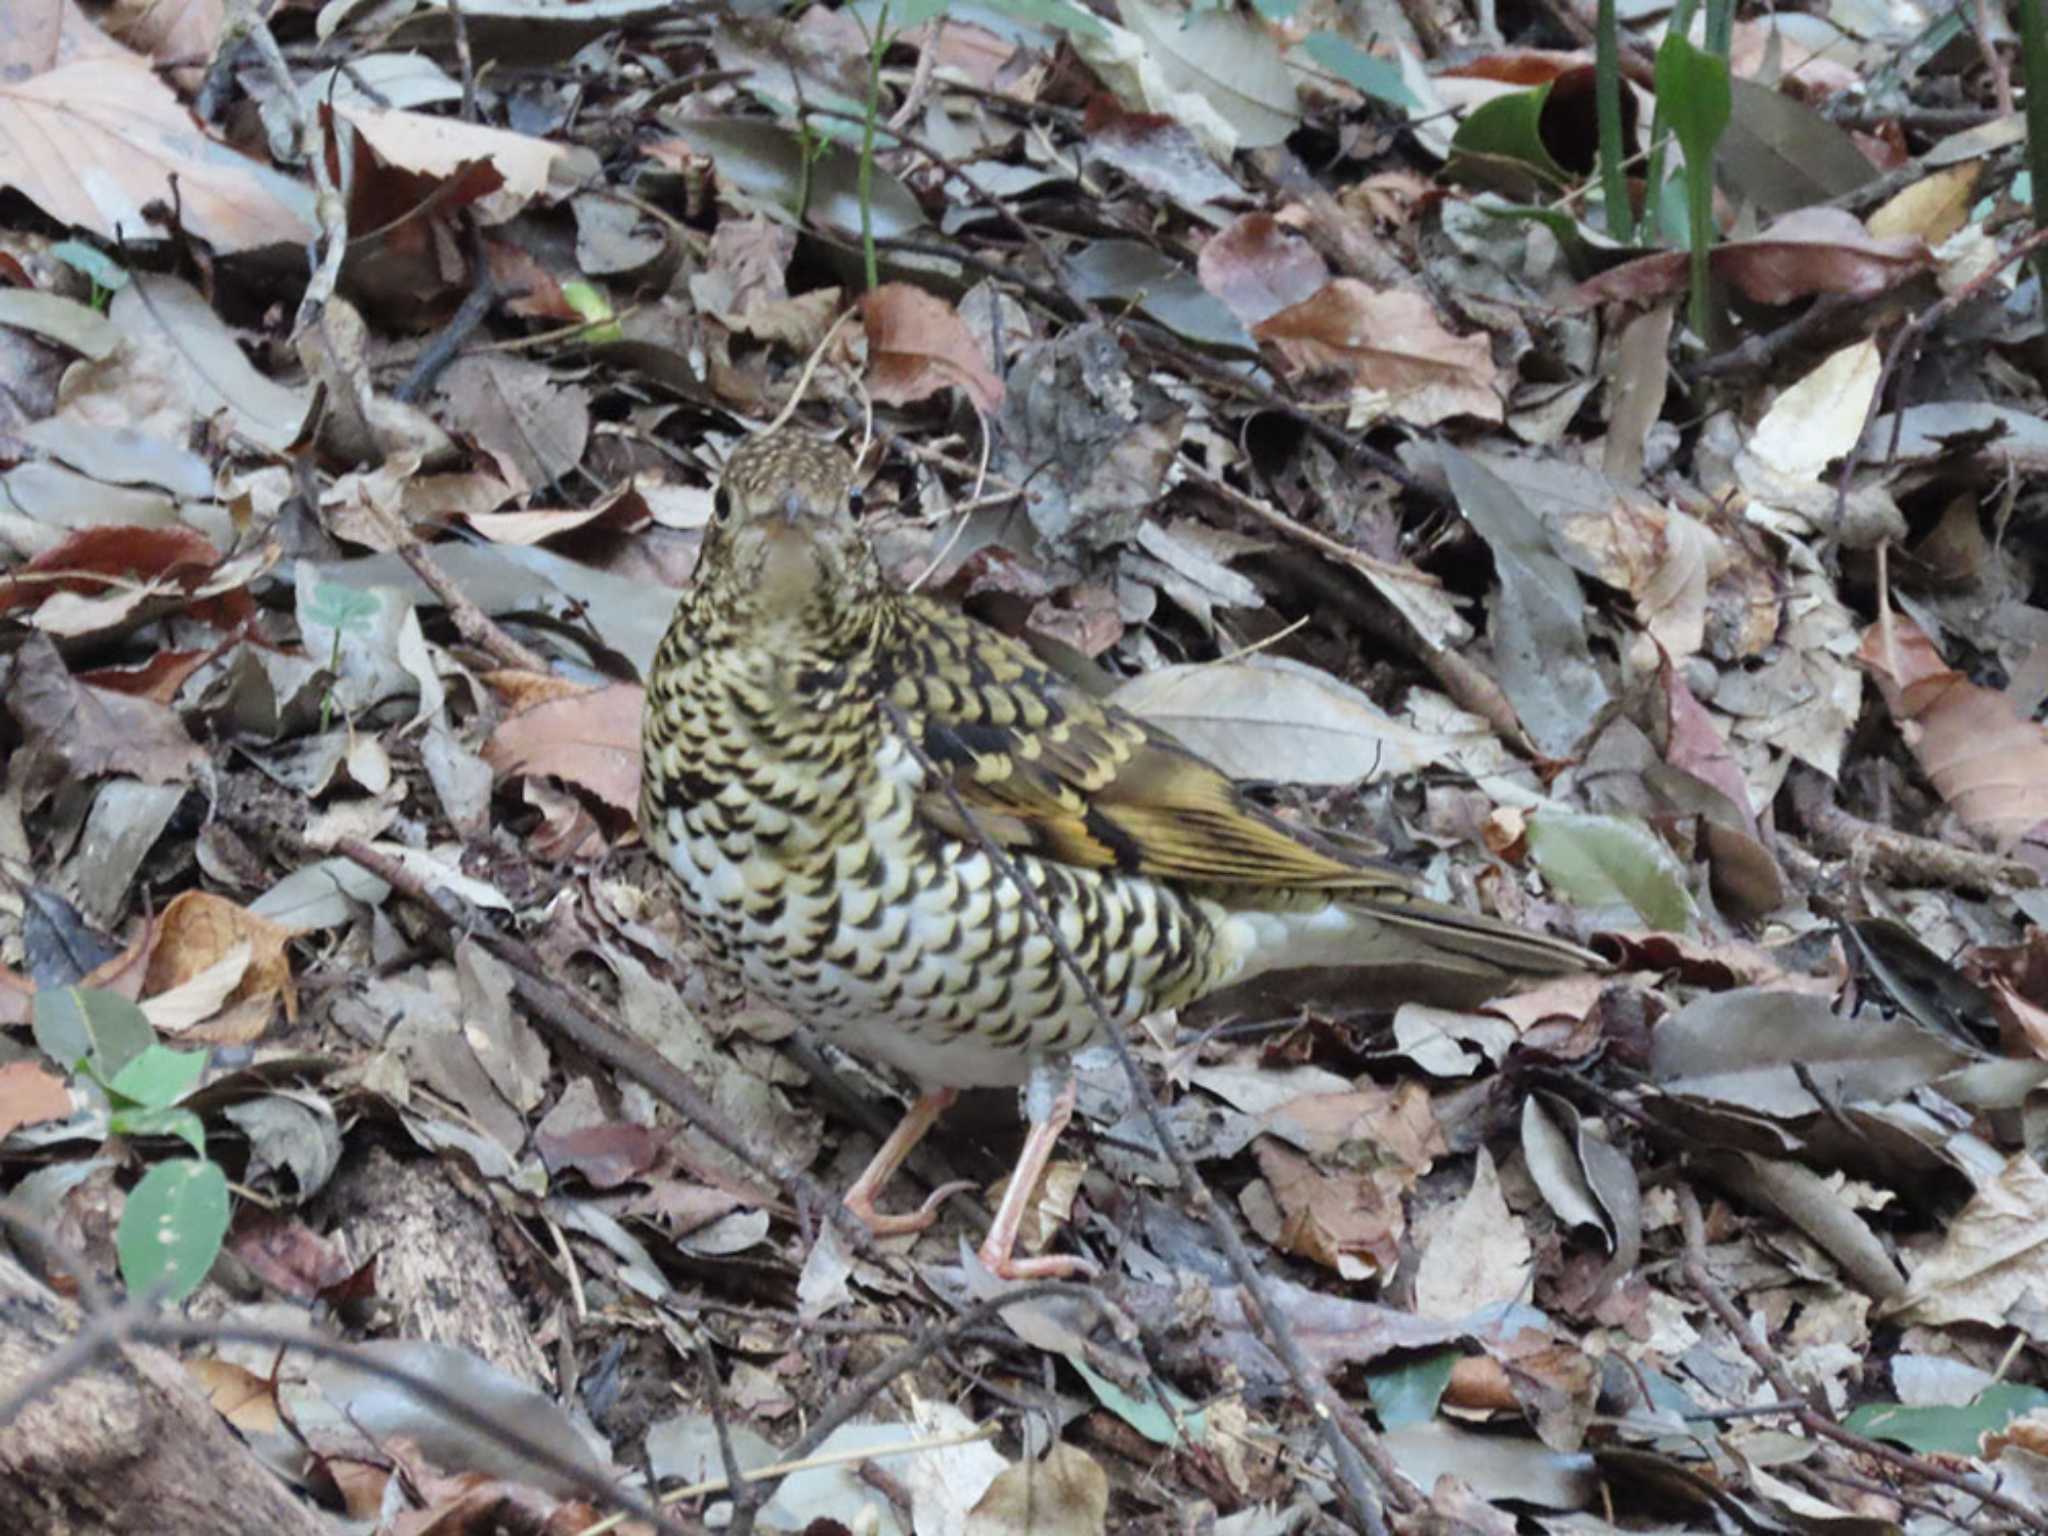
(1816, 421)
(1477, 1258)
(94, 140)
(1065, 1494)
(1272, 718)
(442, 146)
(1993, 1256)
(198, 998)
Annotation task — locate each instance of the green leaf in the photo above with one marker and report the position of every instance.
(1062, 14)
(172, 1228)
(588, 300)
(1694, 96)
(335, 606)
(1409, 1394)
(181, 1123)
(1507, 131)
(1605, 861)
(1948, 1430)
(90, 1029)
(159, 1076)
(1148, 1415)
(93, 262)
(1359, 69)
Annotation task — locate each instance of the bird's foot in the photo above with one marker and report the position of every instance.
(887, 1224)
(1049, 1266)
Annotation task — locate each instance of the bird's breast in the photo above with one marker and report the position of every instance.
(801, 859)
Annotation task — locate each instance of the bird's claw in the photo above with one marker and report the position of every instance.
(894, 1224)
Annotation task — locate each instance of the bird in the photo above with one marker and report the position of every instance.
(849, 784)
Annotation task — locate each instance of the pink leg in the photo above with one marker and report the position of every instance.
(1002, 1237)
(910, 1130)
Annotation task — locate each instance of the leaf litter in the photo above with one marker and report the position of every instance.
(1190, 357)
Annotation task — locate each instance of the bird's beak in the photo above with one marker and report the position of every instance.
(792, 508)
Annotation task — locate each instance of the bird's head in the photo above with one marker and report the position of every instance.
(784, 550)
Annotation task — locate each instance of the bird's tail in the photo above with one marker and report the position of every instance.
(1461, 950)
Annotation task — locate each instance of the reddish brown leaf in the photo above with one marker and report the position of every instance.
(94, 559)
(29, 1095)
(1389, 343)
(1989, 762)
(589, 739)
(919, 345)
(1258, 266)
(1808, 252)
(287, 1255)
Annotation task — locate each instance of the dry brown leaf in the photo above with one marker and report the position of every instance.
(1989, 762)
(919, 345)
(198, 932)
(1349, 1222)
(590, 739)
(1258, 266)
(1808, 252)
(243, 1398)
(1066, 1494)
(77, 731)
(30, 1095)
(1156, 151)
(1993, 1255)
(1389, 344)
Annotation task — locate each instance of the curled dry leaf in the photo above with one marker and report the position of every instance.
(1808, 252)
(919, 345)
(1388, 344)
(199, 931)
(1989, 762)
(590, 739)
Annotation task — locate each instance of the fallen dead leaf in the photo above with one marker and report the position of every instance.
(919, 345)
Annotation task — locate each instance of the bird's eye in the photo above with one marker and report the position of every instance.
(853, 501)
(721, 505)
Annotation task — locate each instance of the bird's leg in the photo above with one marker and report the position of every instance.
(1047, 1121)
(910, 1130)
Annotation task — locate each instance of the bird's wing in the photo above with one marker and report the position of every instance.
(1035, 764)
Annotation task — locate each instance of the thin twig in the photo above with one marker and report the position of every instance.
(578, 1021)
(106, 1329)
(471, 622)
(747, 1494)
(1811, 1419)
(1911, 334)
(1899, 855)
(926, 1344)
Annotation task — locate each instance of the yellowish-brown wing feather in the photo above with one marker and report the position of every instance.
(1041, 766)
